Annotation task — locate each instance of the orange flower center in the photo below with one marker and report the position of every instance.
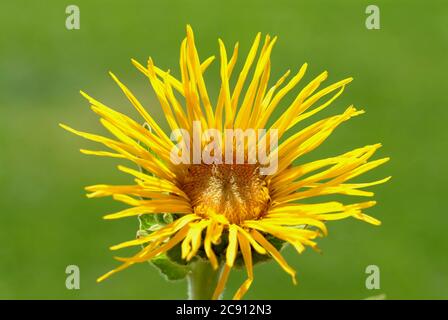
(236, 191)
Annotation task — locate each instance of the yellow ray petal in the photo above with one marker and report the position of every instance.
(242, 119)
(275, 254)
(138, 106)
(208, 245)
(280, 95)
(196, 237)
(232, 247)
(118, 269)
(186, 245)
(166, 231)
(194, 58)
(173, 81)
(243, 75)
(144, 158)
(155, 183)
(293, 221)
(139, 258)
(251, 240)
(206, 63)
(308, 114)
(257, 108)
(146, 254)
(367, 218)
(222, 94)
(186, 81)
(103, 190)
(295, 236)
(351, 171)
(222, 282)
(247, 257)
(366, 167)
(128, 152)
(300, 208)
(348, 188)
(316, 139)
(152, 206)
(296, 106)
(225, 86)
(159, 89)
(102, 153)
(132, 128)
(178, 110)
(283, 185)
(314, 98)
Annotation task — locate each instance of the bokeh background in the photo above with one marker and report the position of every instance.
(46, 222)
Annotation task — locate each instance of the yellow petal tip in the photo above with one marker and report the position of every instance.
(85, 95)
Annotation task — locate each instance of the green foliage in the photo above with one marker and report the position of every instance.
(170, 269)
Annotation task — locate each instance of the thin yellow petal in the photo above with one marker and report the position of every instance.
(275, 254)
(138, 106)
(232, 247)
(166, 231)
(222, 282)
(247, 257)
(208, 246)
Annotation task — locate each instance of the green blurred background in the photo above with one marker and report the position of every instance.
(46, 222)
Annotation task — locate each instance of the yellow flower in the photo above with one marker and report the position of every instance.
(231, 202)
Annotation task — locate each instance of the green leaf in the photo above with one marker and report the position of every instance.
(147, 222)
(171, 270)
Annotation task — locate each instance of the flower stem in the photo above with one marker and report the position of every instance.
(202, 280)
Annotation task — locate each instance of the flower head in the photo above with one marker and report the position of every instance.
(229, 210)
